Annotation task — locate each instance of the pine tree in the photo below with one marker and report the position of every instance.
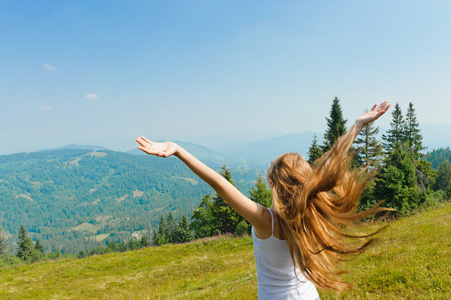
(414, 144)
(183, 233)
(202, 219)
(225, 218)
(163, 237)
(260, 193)
(443, 181)
(172, 228)
(396, 182)
(396, 134)
(412, 130)
(314, 152)
(38, 246)
(3, 245)
(143, 242)
(368, 148)
(336, 125)
(25, 249)
(154, 238)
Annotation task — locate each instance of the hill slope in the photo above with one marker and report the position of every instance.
(65, 197)
(413, 263)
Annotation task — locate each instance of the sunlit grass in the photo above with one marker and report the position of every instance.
(413, 263)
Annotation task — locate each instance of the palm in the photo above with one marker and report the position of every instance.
(164, 149)
(374, 113)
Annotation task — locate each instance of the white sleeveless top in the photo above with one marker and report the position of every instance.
(275, 271)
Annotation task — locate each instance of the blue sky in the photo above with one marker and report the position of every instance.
(104, 72)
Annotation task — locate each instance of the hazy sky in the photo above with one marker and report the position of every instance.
(104, 72)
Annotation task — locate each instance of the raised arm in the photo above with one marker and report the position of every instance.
(328, 169)
(254, 213)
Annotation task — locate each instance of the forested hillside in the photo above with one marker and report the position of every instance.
(73, 199)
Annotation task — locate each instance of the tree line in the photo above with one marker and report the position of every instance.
(404, 178)
(26, 251)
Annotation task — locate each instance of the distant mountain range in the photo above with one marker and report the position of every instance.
(258, 153)
(60, 193)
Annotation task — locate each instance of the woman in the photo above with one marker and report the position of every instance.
(300, 239)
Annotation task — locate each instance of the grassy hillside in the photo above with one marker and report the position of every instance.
(413, 263)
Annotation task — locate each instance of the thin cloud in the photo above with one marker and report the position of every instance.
(50, 68)
(92, 97)
(46, 108)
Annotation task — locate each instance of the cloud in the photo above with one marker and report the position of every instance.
(92, 97)
(46, 108)
(50, 68)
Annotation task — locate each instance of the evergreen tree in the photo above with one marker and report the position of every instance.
(413, 140)
(412, 132)
(3, 245)
(396, 134)
(336, 125)
(202, 219)
(368, 148)
(438, 155)
(163, 232)
(111, 246)
(443, 181)
(143, 242)
(314, 152)
(25, 249)
(396, 183)
(183, 233)
(260, 193)
(242, 228)
(38, 246)
(172, 227)
(225, 218)
(154, 238)
(133, 244)
(82, 254)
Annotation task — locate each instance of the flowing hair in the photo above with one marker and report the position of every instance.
(317, 208)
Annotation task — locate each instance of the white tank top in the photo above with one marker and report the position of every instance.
(275, 271)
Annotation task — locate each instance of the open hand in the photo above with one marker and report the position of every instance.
(164, 149)
(373, 114)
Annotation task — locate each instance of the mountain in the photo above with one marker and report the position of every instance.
(78, 147)
(74, 199)
(263, 152)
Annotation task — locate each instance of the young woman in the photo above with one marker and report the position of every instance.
(299, 241)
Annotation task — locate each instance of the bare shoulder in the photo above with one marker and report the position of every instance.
(264, 228)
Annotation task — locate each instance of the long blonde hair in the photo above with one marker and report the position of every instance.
(317, 208)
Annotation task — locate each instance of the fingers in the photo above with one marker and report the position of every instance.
(146, 140)
(387, 107)
(383, 105)
(141, 142)
(153, 152)
(148, 151)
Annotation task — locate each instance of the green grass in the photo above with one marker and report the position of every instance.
(413, 263)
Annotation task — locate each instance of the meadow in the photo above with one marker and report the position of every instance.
(411, 261)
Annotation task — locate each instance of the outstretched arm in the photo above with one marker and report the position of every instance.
(254, 213)
(329, 167)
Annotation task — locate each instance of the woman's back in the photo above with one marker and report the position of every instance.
(276, 272)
